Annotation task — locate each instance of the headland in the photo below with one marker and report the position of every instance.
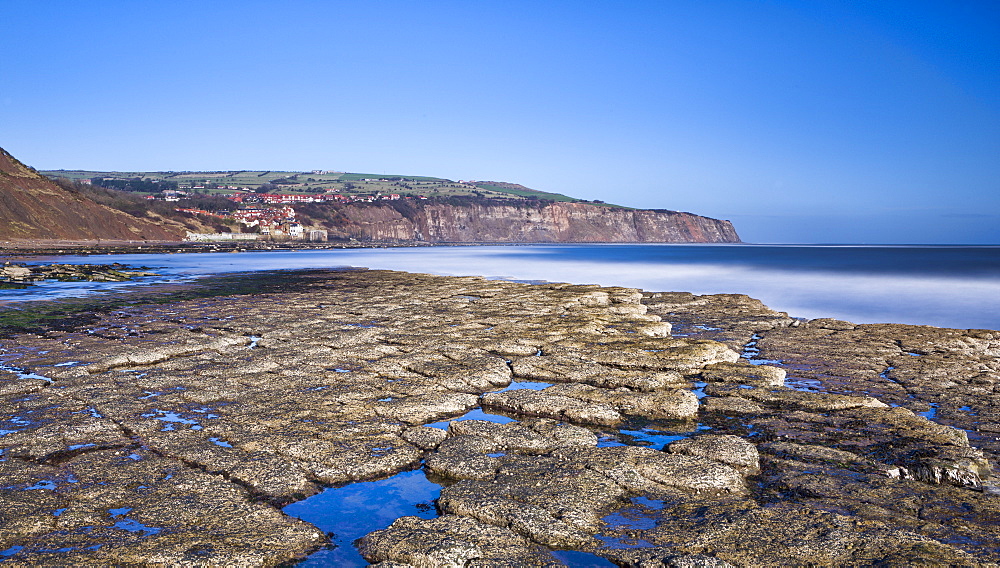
(141, 207)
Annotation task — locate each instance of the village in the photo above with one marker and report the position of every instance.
(251, 197)
(258, 205)
(273, 222)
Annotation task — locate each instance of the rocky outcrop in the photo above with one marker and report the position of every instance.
(32, 207)
(21, 274)
(526, 223)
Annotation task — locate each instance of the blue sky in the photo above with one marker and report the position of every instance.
(812, 121)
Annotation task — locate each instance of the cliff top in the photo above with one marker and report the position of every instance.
(315, 182)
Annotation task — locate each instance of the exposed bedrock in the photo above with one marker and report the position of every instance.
(172, 433)
(527, 223)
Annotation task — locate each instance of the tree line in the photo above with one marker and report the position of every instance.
(134, 184)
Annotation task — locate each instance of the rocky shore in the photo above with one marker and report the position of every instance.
(29, 249)
(642, 429)
(24, 274)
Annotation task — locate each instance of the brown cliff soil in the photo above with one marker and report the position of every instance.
(32, 207)
(170, 433)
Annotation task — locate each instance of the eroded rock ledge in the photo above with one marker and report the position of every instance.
(173, 433)
(25, 273)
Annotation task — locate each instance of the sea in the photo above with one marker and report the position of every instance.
(944, 286)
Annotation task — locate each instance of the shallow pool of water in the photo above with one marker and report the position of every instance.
(350, 512)
(930, 414)
(656, 435)
(526, 385)
(577, 559)
(474, 414)
(23, 374)
(804, 384)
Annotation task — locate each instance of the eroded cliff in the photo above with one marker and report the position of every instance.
(33, 207)
(526, 223)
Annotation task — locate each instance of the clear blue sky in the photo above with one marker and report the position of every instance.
(811, 121)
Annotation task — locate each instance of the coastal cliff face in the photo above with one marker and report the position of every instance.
(32, 207)
(550, 223)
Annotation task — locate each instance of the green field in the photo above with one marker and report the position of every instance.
(347, 183)
(527, 193)
(356, 177)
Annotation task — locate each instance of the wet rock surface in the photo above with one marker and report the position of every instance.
(884, 428)
(24, 274)
(173, 433)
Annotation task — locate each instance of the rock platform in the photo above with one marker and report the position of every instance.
(24, 274)
(173, 433)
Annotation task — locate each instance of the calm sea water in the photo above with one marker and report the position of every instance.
(947, 286)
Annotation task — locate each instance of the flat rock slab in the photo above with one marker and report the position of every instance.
(527, 402)
(889, 428)
(451, 541)
(728, 449)
(555, 368)
(250, 402)
(173, 432)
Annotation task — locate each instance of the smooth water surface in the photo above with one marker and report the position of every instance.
(350, 512)
(476, 413)
(948, 286)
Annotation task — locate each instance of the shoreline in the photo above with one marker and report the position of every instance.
(955, 290)
(827, 423)
(27, 248)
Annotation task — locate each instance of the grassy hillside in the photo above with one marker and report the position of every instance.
(225, 182)
(521, 191)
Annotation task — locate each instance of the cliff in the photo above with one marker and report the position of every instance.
(32, 207)
(525, 223)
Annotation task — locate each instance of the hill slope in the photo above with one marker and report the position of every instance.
(32, 207)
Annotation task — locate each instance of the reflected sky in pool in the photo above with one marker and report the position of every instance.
(352, 511)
